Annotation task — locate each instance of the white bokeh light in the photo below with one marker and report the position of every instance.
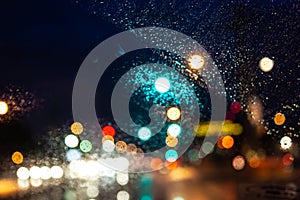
(285, 142)
(45, 173)
(3, 108)
(266, 64)
(173, 113)
(23, 173)
(36, 182)
(92, 191)
(108, 146)
(122, 178)
(174, 130)
(162, 85)
(123, 195)
(57, 172)
(196, 61)
(35, 172)
(71, 141)
(23, 184)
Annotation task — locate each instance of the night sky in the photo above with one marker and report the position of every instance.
(43, 43)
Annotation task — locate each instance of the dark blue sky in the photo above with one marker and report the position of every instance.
(43, 43)
(46, 40)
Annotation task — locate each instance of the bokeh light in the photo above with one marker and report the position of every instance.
(171, 165)
(35, 172)
(121, 146)
(287, 159)
(174, 130)
(131, 148)
(254, 162)
(196, 61)
(85, 146)
(17, 157)
(109, 130)
(266, 64)
(57, 172)
(235, 107)
(173, 113)
(193, 155)
(279, 119)
(45, 173)
(207, 147)
(77, 128)
(171, 141)
(92, 192)
(23, 184)
(36, 182)
(71, 141)
(162, 85)
(122, 178)
(3, 108)
(285, 142)
(23, 173)
(156, 163)
(123, 195)
(144, 133)
(73, 154)
(171, 155)
(219, 142)
(108, 146)
(227, 142)
(238, 162)
(70, 195)
(108, 137)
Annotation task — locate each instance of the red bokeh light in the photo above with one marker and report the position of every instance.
(235, 107)
(109, 130)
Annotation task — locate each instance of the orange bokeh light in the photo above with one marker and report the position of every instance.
(156, 163)
(171, 165)
(219, 142)
(17, 157)
(227, 142)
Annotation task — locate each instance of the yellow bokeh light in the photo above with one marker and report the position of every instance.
(227, 142)
(196, 61)
(213, 128)
(279, 119)
(107, 137)
(3, 108)
(171, 141)
(173, 113)
(266, 64)
(77, 128)
(17, 157)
